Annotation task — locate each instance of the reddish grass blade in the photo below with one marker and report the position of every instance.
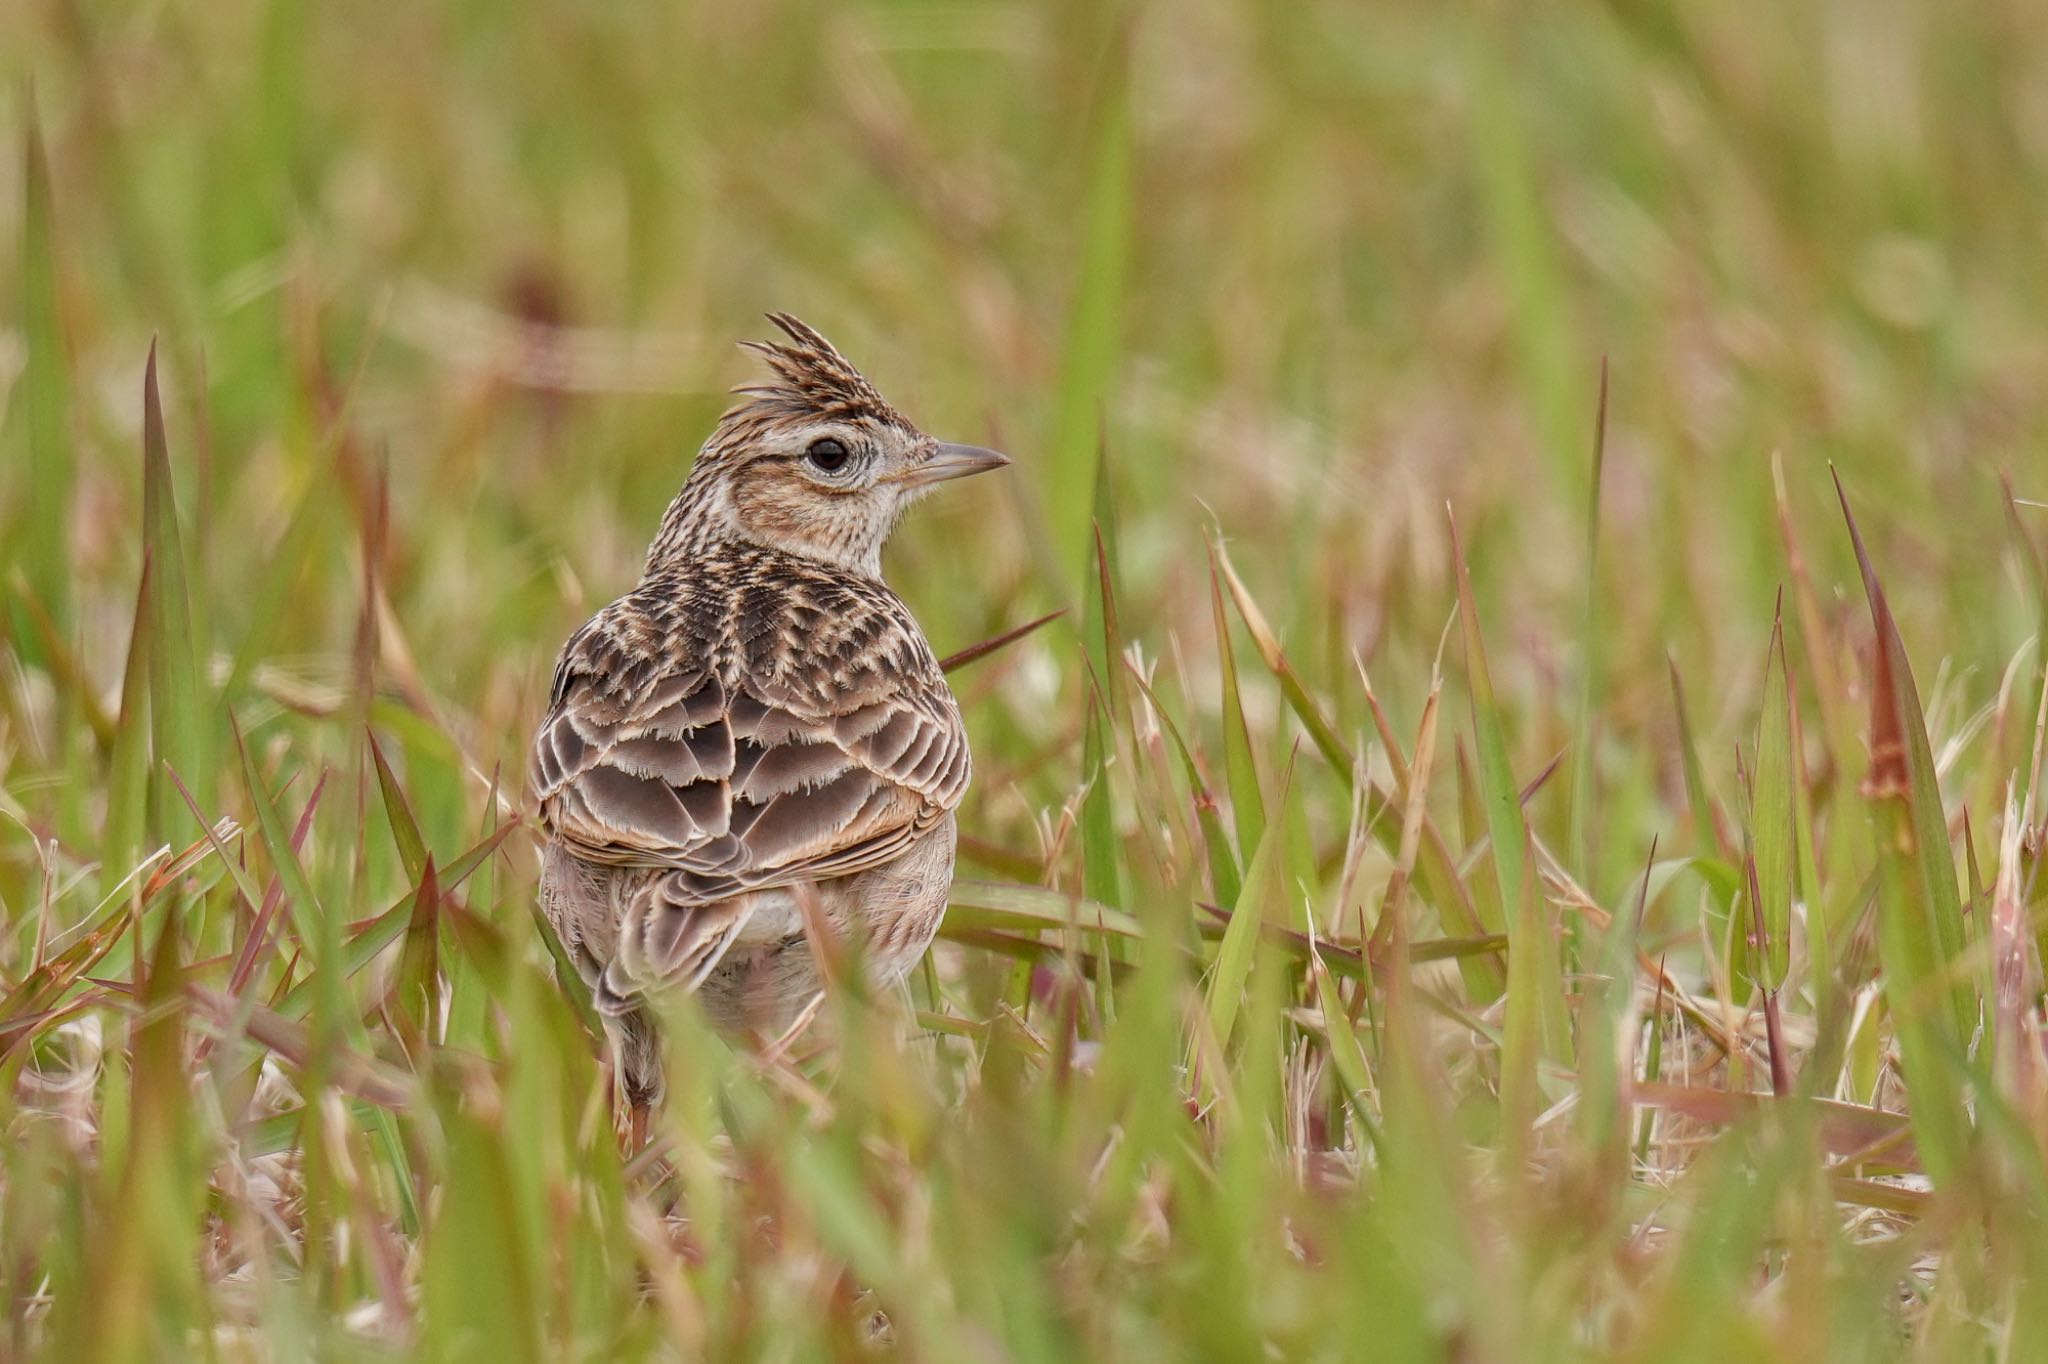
(346, 1070)
(405, 828)
(417, 985)
(371, 938)
(1846, 1130)
(1920, 929)
(974, 653)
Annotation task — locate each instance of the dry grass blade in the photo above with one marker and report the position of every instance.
(1392, 928)
(64, 665)
(1846, 1130)
(32, 1002)
(2016, 977)
(1837, 718)
(1267, 643)
(353, 1074)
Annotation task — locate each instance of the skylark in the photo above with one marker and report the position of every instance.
(757, 736)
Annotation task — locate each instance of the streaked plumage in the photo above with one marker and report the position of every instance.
(760, 715)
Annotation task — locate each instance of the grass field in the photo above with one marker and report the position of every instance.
(1489, 866)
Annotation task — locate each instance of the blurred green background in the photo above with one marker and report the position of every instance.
(1313, 267)
(445, 296)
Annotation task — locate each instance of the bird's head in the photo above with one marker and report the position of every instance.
(815, 463)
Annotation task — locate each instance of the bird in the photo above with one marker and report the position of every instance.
(757, 740)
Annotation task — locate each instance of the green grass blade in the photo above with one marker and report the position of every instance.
(43, 396)
(1241, 773)
(418, 981)
(1435, 873)
(1524, 247)
(371, 939)
(1920, 928)
(405, 828)
(1591, 645)
(1006, 905)
(1535, 1011)
(480, 1284)
(1101, 853)
(180, 733)
(1347, 1055)
(1774, 830)
(1705, 819)
(128, 774)
(1094, 326)
(1261, 902)
(1224, 879)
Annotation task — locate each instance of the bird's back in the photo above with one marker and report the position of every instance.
(742, 721)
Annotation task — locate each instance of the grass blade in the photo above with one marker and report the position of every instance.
(1536, 1023)
(128, 774)
(1591, 664)
(1241, 773)
(1101, 860)
(179, 731)
(1920, 931)
(1223, 872)
(974, 653)
(1773, 817)
(405, 828)
(1095, 326)
(1304, 706)
(1261, 902)
(43, 399)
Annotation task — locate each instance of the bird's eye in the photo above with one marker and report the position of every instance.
(828, 454)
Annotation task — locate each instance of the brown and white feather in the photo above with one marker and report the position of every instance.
(747, 720)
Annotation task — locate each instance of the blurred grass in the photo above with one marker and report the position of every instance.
(1584, 990)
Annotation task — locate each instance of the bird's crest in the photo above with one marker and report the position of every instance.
(812, 380)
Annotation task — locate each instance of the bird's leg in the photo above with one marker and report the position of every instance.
(622, 1105)
(634, 1059)
(631, 1122)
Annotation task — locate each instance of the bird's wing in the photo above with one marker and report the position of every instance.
(792, 738)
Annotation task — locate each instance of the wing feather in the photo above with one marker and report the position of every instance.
(805, 735)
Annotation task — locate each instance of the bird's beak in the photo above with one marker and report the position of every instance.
(954, 461)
